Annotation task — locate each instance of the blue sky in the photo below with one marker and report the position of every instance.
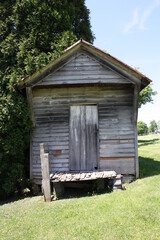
(130, 31)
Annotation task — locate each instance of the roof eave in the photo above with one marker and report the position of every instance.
(144, 80)
(38, 75)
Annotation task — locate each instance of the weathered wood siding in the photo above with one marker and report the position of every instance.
(82, 69)
(83, 138)
(51, 108)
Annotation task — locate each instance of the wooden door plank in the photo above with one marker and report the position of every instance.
(83, 134)
(83, 138)
(91, 137)
(75, 123)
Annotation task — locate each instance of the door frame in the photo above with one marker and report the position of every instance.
(84, 104)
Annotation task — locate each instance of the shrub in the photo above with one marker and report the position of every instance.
(15, 127)
(142, 128)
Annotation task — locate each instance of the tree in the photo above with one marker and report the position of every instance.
(153, 126)
(32, 33)
(79, 16)
(146, 95)
(158, 124)
(142, 128)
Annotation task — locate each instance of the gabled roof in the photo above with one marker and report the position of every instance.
(104, 57)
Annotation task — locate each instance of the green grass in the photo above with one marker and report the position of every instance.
(130, 214)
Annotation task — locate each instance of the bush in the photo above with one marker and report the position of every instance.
(15, 127)
(153, 126)
(142, 128)
(32, 33)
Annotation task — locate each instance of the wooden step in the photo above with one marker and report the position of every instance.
(118, 182)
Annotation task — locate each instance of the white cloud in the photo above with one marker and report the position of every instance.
(133, 22)
(139, 19)
(148, 12)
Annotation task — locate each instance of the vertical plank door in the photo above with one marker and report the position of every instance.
(83, 138)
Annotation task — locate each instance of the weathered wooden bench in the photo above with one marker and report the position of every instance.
(59, 178)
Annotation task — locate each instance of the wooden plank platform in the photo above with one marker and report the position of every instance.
(81, 176)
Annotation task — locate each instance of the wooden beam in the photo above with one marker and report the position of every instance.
(45, 174)
(135, 102)
(41, 149)
(30, 102)
(135, 115)
(31, 154)
(136, 153)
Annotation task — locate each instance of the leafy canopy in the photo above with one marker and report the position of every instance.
(146, 96)
(142, 128)
(32, 33)
(158, 124)
(153, 127)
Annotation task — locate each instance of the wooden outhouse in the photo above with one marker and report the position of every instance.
(84, 109)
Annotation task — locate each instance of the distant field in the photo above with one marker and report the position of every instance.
(149, 155)
(130, 214)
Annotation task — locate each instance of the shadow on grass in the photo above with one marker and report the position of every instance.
(78, 193)
(148, 167)
(147, 142)
(85, 189)
(15, 199)
(70, 192)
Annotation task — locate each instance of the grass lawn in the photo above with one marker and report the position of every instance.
(130, 214)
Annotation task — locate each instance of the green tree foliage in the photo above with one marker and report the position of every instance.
(146, 95)
(153, 126)
(79, 16)
(32, 33)
(14, 137)
(142, 128)
(158, 125)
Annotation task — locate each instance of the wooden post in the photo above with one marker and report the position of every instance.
(136, 151)
(45, 174)
(135, 113)
(30, 102)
